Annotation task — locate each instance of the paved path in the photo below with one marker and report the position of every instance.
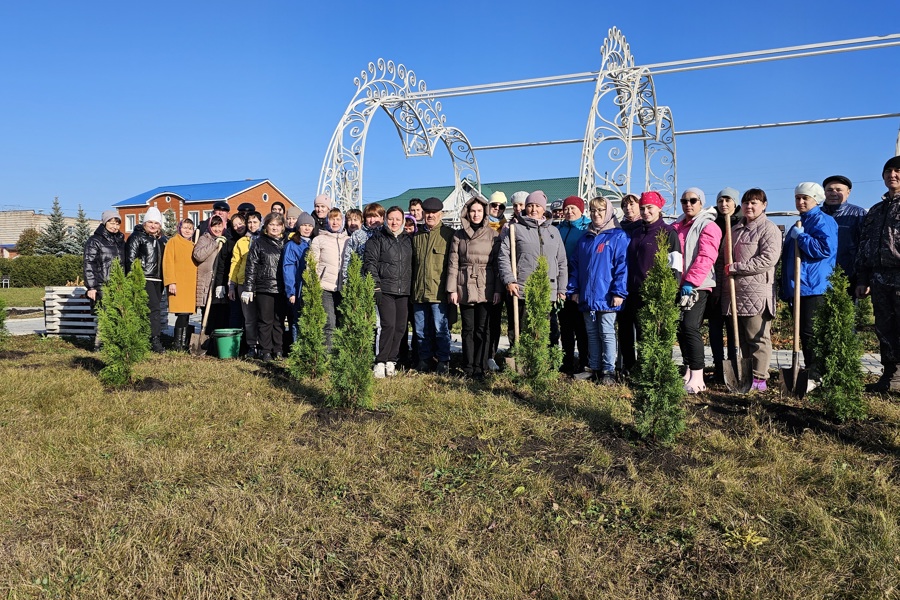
(781, 359)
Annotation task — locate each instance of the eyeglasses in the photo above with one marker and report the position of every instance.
(498, 205)
(690, 200)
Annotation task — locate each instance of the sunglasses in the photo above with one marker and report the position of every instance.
(690, 200)
(498, 205)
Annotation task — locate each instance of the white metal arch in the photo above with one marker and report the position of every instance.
(420, 125)
(634, 116)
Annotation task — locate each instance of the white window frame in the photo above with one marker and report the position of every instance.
(129, 222)
(194, 215)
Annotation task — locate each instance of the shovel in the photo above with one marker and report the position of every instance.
(199, 340)
(738, 373)
(795, 381)
(510, 360)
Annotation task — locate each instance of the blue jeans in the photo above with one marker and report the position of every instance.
(432, 331)
(601, 335)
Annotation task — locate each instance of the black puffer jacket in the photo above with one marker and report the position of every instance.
(100, 250)
(263, 275)
(389, 259)
(148, 250)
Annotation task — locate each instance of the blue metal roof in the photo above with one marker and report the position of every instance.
(195, 192)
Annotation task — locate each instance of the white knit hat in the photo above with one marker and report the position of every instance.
(811, 189)
(153, 214)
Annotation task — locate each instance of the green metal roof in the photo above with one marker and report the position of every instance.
(556, 188)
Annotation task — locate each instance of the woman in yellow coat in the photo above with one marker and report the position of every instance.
(180, 279)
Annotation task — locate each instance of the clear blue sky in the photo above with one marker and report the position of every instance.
(103, 100)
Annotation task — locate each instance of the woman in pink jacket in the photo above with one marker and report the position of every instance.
(700, 238)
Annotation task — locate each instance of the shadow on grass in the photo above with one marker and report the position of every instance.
(91, 364)
(728, 411)
(13, 354)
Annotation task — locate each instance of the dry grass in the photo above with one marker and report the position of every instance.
(225, 480)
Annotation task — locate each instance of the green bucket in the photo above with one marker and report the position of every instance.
(228, 342)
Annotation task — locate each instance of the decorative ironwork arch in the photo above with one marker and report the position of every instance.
(420, 125)
(636, 117)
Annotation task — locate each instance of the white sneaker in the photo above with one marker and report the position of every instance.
(492, 365)
(379, 371)
(390, 369)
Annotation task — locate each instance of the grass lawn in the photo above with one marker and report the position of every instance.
(225, 479)
(30, 296)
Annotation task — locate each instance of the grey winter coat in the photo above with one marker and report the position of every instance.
(533, 240)
(757, 249)
(472, 270)
(205, 252)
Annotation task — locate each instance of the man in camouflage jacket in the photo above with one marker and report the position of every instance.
(878, 273)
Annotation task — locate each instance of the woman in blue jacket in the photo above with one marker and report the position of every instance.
(817, 237)
(598, 282)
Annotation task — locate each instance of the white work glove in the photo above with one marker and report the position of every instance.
(796, 231)
(246, 297)
(220, 291)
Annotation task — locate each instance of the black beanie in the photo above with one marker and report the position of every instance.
(893, 163)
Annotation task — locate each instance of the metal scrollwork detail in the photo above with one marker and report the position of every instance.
(634, 116)
(420, 124)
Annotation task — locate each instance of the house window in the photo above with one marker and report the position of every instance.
(194, 215)
(141, 217)
(265, 197)
(129, 222)
(168, 199)
(207, 214)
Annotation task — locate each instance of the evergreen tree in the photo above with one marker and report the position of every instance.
(169, 224)
(659, 389)
(538, 361)
(838, 352)
(82, 230)
(123, 322)
(309, 357)
(353, 352)
(54, 238)
(28, 242)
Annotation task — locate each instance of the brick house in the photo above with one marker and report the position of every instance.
(195, 201)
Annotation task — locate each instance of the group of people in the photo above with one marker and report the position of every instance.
(246, 270)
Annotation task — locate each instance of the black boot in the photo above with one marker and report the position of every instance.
(887, 380)
(156, 344)
(178, 339)
(718, 373)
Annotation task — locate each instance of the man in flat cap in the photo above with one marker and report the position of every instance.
(431, 254)
(849, 218)
(878, 273)
(220, 208)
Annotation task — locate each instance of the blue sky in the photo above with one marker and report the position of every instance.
(103, 100)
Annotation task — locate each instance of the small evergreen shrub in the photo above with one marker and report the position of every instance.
(123, 322)
(41, 271)
(538, 361)
(659, 389)
(353, 352)
(309, 357)
(838, 350)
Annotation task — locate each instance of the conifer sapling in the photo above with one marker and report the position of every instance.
(659, 389)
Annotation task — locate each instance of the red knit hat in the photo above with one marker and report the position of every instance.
(574, 201)
(652, 198)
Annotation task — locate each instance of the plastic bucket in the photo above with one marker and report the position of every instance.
(228, 342)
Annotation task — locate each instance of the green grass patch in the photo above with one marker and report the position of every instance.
(30, 296)
(225, 479)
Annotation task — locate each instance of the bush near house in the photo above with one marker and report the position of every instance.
(32, 271)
